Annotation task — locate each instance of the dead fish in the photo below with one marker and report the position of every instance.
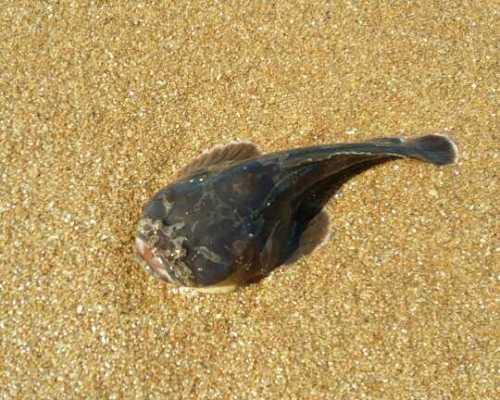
(233, 214)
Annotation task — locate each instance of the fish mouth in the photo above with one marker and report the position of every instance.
(153, 264)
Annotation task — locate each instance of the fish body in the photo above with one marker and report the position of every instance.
(234, 215)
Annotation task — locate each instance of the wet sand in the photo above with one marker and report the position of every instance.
(101, 104)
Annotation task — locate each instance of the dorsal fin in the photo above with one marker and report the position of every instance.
(234, 151)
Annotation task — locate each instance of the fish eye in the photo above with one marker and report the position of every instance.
(155, 210)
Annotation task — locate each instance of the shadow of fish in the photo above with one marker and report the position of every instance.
(233, 215)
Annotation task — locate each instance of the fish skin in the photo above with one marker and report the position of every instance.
(234, 215)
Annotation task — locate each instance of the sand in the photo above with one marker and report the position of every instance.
(101, 102)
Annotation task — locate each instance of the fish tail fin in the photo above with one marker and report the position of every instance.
(434, 149)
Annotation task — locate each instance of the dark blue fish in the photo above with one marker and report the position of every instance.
(233, 215)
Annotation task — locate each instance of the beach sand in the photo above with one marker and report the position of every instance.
(102, 102)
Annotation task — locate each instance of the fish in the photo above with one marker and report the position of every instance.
(233, 215)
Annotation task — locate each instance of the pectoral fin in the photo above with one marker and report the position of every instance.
(313, 225)
(315, 235)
